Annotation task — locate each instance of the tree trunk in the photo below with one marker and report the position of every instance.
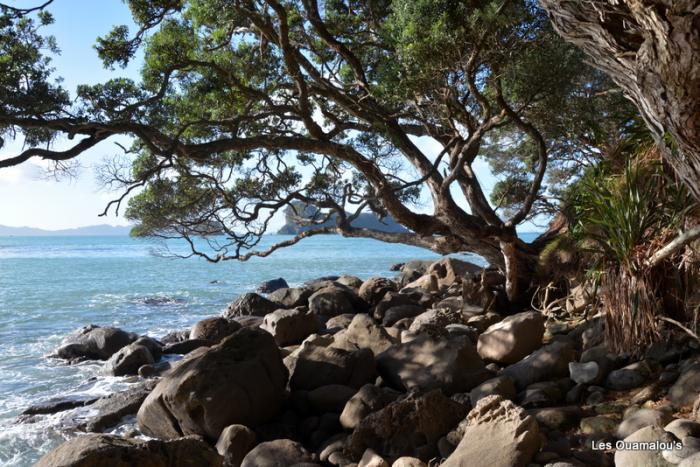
(651, 49)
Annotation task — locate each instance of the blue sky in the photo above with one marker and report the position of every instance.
(28, 197)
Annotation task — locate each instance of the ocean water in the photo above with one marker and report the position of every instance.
(50, 286)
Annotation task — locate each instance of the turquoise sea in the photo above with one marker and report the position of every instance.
(50, 286)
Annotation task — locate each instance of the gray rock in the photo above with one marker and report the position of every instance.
(96, 450)
(272, 285)
(584, 373)
(631, 376)
(686, 388)
(239, 381)
(94, 343)
(690, 447)
(641, 418)
(110, 410)
(512, 339)
(426, 363)
(128, 360)
(290, 326)
(399, 312)
(250, 304)
(683, 427)
(557, 418)
(434, 321)
(548, 362)
(642, 457)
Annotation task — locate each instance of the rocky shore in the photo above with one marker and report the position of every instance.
(421, 370)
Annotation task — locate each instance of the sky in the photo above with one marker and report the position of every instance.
(27, 197)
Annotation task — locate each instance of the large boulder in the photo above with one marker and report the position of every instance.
(373, 289)
(399, 312)
(363, 333)
(94, 343)
(549, 362)
(392, 299)
(214, 329)
(98, 450)
(368, 399)
(334, 300)
(497, 433)
(512, 339)
(331, 398)
(239, 381)
(277, 453)
(250, 304)
(644, 417)
(128, 360)
(411, 426)
(290, 326)
(291, 297)
(447, 272)
(314, 366)
(426, 363)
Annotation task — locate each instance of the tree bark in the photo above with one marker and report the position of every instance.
(651, 49)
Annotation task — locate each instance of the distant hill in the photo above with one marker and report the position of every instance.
(366, 220)
(93, 230)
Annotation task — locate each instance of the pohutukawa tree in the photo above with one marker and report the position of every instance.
(651, 49)
(245, 108)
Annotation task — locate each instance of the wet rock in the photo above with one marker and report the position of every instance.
(426, 363)
(548, 362)
(250, 304)
(291, 297)
(314, 366)
(410, 426)
(239, 381)
(368, 399)
(277, 453)
(214, 329)
(94, 343)
(94, 450)
(128, 360)
(234, 443)
(154, 369)
(497, 433)
(290, 326)
(110, 410)
(512, 339)
(272, 285)
(55, 405)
